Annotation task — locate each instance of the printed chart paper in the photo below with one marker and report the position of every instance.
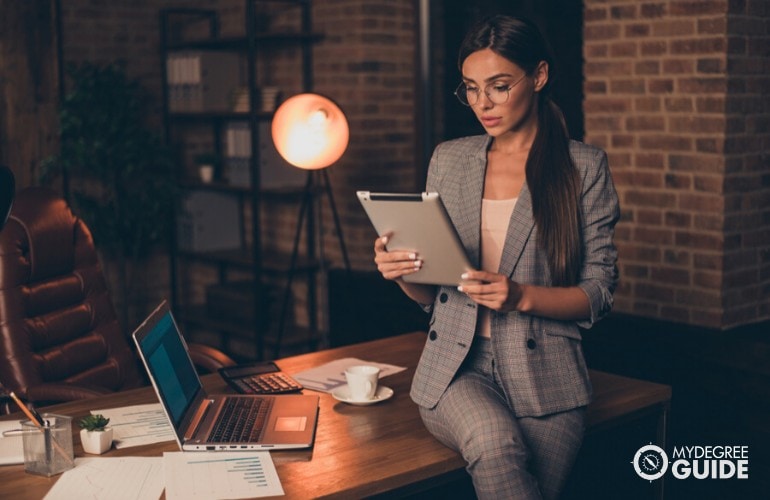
(102, 478)
(138, 425)
(199, 476)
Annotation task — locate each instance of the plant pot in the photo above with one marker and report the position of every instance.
(96, 442)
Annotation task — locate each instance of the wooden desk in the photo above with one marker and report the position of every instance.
(359, 451)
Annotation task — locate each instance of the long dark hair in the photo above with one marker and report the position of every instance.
(552, 177)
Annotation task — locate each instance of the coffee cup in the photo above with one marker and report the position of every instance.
(362, 381)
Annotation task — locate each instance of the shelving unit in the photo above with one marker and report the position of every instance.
(187, 39)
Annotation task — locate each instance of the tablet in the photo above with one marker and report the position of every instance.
(419, 222)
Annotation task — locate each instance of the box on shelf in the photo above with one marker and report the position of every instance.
(209, 221)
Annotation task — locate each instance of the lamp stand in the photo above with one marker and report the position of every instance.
(316, 186)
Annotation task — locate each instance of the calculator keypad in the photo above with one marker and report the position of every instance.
(267, 383)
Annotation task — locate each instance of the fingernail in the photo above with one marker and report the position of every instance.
(417, 264)
(460, 288)
(385, 239)
(464, 276)
(412, 256)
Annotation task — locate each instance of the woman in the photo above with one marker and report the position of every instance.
(502, 377)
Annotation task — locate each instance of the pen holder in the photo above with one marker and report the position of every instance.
(48, 449)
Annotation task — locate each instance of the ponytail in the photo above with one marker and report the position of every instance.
(554, 184)
(552, 178)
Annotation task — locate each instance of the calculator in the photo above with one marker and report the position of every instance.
(259, 378)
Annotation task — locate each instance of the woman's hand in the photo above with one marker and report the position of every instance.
(394, 264)
(491, 290)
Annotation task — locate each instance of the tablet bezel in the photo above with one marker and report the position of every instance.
(419, 222)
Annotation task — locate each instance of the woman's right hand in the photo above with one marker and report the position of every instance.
(396, 263)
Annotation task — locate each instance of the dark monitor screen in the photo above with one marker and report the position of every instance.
(170, 366)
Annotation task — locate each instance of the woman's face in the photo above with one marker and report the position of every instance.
(491, 77)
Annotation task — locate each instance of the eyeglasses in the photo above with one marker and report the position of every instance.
(496, 92)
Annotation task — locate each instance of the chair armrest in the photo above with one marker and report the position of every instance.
(45, 394)
(209, 359)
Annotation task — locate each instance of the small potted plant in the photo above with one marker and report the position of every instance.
(207, 163)
(95, 436)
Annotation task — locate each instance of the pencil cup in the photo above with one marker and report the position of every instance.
(48, 449)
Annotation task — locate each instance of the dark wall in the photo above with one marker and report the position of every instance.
(562, 24)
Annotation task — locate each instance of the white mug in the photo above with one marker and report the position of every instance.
(362, 381)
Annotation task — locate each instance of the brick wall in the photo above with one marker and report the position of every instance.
(676, 92)
(365, 62)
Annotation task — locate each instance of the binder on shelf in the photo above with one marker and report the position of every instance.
(209, 221)
(200, 81)
(275, 172)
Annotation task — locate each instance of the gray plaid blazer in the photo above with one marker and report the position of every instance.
(539, 361)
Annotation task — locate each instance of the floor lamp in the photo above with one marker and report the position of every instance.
(310, 132)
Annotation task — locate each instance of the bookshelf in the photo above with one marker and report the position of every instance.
(219, 98)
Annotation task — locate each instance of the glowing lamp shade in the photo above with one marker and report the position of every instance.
(310, 131)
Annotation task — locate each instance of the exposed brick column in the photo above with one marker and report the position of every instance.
(676, 92)
(366, 63)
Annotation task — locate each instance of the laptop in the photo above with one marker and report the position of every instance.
(217, 422)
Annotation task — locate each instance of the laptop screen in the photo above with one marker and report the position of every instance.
(170, 367)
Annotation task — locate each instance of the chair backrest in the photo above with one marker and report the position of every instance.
(7, 190)
(57, 321)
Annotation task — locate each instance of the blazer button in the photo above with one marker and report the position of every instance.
(432, 335)
(443, 298)
(531, 344)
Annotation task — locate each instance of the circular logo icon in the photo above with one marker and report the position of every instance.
(650, 462)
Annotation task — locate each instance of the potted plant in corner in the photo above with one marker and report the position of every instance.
(120, 176)
(95, 436)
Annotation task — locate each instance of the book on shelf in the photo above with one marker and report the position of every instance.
(200, 81)
(275, 172)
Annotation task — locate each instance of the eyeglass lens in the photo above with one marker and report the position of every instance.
(496, 93)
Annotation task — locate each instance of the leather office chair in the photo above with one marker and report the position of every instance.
(7, 190)
(59, 335)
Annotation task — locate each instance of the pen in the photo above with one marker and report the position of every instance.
(35, 417)
(31, 413)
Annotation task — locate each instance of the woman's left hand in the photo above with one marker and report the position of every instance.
(491, 290)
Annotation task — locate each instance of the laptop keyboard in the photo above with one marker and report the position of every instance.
(241, 420)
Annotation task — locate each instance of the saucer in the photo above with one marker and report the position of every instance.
(343, 394)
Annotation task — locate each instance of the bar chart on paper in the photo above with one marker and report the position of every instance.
(191, 475)
(137, 425)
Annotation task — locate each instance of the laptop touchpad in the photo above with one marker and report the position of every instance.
(290, 424)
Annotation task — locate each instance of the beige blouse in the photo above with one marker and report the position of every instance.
(495, 216)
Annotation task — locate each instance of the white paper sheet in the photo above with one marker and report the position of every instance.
(11, 447)
(327, 377)
(102, 478)
(199, 476)
(138, 425)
